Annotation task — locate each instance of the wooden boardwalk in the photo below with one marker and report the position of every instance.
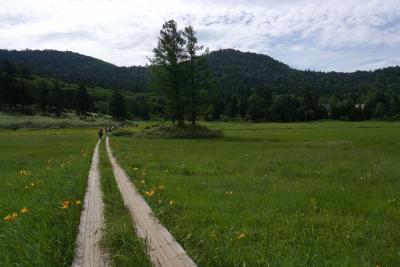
(163, 249)
(88, 252)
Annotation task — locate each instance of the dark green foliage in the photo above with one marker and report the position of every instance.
(76, 68)
(193, 71)
(189, 131)
(117, 106)
(223, 89)
(56, 99)
(83, 101)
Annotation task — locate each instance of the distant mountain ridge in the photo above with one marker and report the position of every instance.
(237, 72)
(74, 67)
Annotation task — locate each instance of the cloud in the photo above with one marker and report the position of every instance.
(328, 35)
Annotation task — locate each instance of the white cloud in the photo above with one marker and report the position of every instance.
(328, 35)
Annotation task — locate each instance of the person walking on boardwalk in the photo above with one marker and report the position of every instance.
(100, 133)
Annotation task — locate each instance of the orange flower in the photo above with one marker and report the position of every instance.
(8, 218)
(64, 204)
(150, 193)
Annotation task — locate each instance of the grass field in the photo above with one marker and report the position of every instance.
(69, 120)
(43, 176)
(304, 194)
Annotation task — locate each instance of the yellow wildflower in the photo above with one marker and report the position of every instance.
(32, 184)
(24, 210)
(135, 169)
(142, 181)
(8, 218)
(241, 236)
(171, 202)
(24, 173)
(77, 202)
(213, 236)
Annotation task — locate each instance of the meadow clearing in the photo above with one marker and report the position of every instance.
(43, 177)
(295, 194)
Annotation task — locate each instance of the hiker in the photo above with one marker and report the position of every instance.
(100, 133)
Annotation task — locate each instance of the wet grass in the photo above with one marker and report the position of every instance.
(43, 176)
(306, 194)
(119, 239)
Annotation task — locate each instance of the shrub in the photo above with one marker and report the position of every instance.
(184, 132)
(122, 132)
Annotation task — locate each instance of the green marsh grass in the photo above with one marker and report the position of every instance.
(38, 171)
(119, 239)
(296, 194)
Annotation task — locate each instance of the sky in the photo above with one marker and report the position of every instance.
(321, 35)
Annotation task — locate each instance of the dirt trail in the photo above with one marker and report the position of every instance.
(88, 252)
(163, 249)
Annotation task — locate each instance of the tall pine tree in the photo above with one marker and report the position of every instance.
(167, 70)
(192, 48)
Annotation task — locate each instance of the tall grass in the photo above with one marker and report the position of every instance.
(306, 194)
(41, 172)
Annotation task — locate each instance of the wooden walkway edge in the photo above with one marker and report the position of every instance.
(163, 249)
(88, 252)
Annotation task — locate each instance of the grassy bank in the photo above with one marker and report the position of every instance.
(304, 194)
(119, 239)
(43, 177)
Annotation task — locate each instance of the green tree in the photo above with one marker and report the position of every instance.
(82, 100)
(57, 99)
(117, 106)
(192, 48)
(8, 89)
(255, 111)
(43, 95)
(167, 70)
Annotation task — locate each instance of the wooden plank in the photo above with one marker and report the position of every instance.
(163, 249)
(88, 252)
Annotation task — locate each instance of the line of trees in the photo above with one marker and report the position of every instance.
(22, 92)
(189, 90)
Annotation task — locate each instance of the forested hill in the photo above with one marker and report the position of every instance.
(237, 73)
(77, 68)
